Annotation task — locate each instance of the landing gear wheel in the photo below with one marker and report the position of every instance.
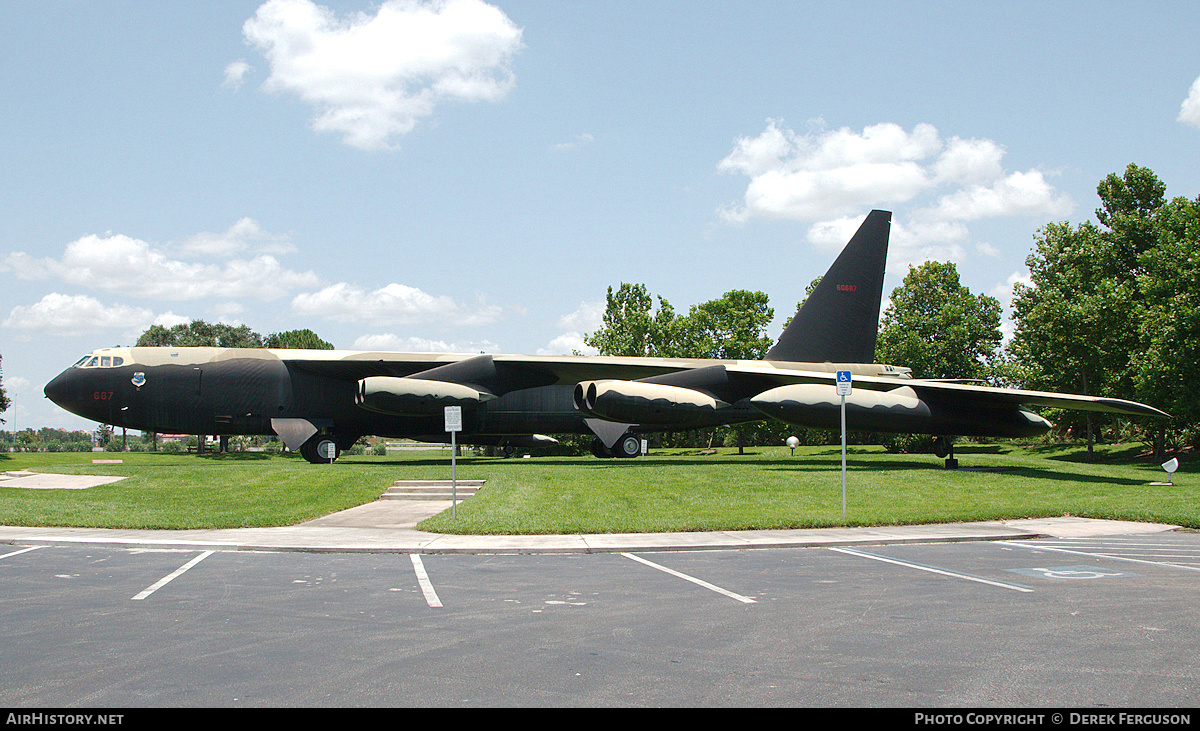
(599, 450)
(320, 450)
(629, 445)
(944, 448)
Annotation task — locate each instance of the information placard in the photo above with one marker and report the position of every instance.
(453, 418)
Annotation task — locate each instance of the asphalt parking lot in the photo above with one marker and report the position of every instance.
(1101, 620)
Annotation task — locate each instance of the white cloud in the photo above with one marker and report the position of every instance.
(242, 235)
(568, 343)
(1004, 293)
(63, 314)
(135, 268)
(1189, 111)
(582, 140)
(969, 161)
(393, 304)
(925, 239)
(169, 320)
(830, 178)
(392, 342)
(235, 74)
(373, 77)
(829, 173)
(588, 317)
(1014, 195)
(983, 248)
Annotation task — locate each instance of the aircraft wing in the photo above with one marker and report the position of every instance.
(961, 394)
(499, 374)
(967, 394)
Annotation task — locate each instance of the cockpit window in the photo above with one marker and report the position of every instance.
(102, 361)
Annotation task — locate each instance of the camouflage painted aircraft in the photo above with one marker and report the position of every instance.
(321, 401)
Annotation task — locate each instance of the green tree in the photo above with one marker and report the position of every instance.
(1164, 367)
(302, 339)
(730, 328)
(4, 402)
(1099, 292)
(630, 328)
(936, 327)
(198, 333)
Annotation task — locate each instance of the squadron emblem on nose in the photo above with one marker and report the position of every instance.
(139, 379)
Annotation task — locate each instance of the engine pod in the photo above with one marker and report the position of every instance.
(820, 407)
(415, 396)
(633, 402)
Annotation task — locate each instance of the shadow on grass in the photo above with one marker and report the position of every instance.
(1103, 454)
(799, 465)
(234, 456)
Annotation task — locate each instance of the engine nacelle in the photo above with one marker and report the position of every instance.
(415, 396)
(819, 406)
(647, 404)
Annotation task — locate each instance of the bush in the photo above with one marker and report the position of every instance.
(909, 443)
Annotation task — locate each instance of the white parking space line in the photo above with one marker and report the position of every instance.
(23, 550)
(694, 580)
(934, 570)
(171, 576)
(1097, 554)
(431, 597)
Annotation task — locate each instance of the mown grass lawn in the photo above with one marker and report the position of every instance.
(666, 491)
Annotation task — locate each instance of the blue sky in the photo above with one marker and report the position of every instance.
(467, 176)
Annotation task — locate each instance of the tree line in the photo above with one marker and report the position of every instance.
(199, 333)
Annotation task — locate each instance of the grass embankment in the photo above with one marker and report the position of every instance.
(667, 491)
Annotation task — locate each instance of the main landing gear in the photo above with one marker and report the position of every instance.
(629, 445)
(325, 448)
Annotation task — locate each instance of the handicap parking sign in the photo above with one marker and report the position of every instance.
(843, 383)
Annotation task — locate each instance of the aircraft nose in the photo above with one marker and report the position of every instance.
(60, 389)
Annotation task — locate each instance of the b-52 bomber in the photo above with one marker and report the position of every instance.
(321, 401)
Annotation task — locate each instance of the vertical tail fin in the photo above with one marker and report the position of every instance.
(840, 319)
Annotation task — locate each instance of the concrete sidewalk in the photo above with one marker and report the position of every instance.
(324, 535)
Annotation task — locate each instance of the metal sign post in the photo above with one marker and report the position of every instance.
(844, 380)
(453, 425)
